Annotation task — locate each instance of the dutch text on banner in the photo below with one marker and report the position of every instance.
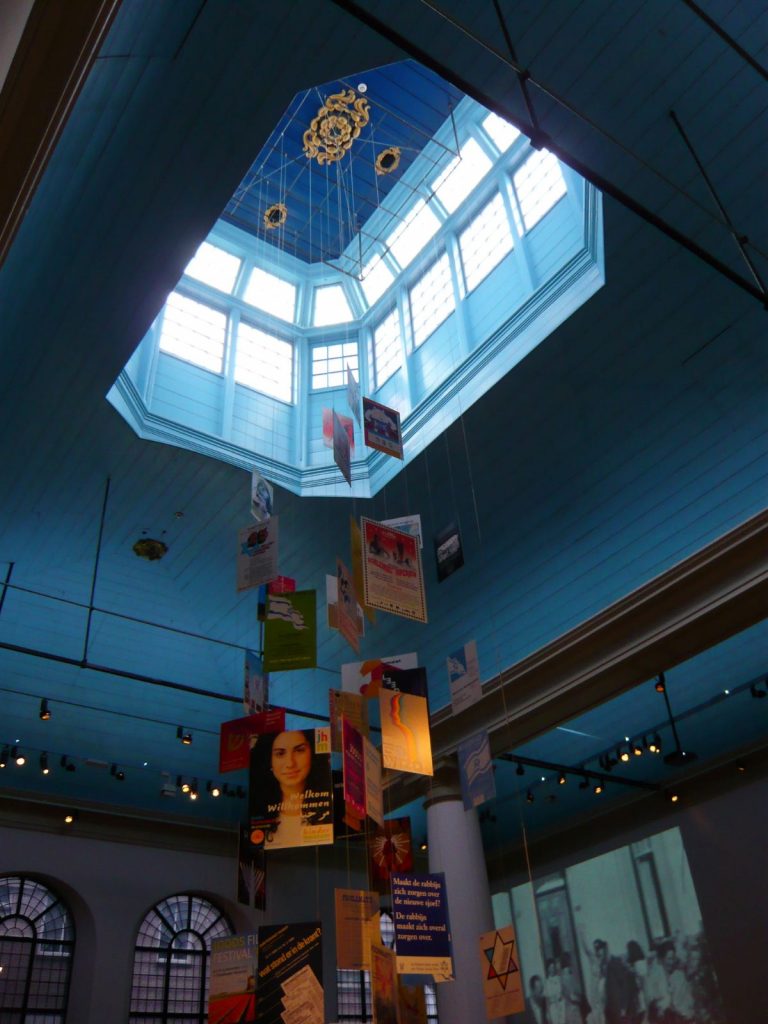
(236, 737)
(478, 782)
(422, 932)
(232, 991)
(290, 631)
(502, 981)
(290, 974)
(357, 926)
(257, 554)
(392, 573)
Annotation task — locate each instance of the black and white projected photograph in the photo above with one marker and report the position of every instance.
(617, 939)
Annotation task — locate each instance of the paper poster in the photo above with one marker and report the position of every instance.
(382, 428)
(392, 577)
(346, 825)
(261, 603)
(353, 768)
(251, 872)
(449, 554)
(332, 601)
(478, 782)
(347, 424)
(281, 585)
(413, 1003)
(353, 396)
(384, 990)
(290, 976)
(255, 684)
(290, 791)
(257, 554)
(365, 676)
(349, 625)
(390, 849)
(464, 677)
(422, 933)
(405, 738)
(407, 524)
(232, 986)
(353, 707)
(356, 554)
(502, 984)
(262, 497)
(341, 450)
(290, 631)
(373, 795)
(236, 736)
(357, 925)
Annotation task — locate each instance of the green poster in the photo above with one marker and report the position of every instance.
(290, 631)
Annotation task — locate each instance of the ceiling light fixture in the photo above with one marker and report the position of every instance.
(184, 735)
(423, 845)
(213, 789)
(45, 711)
(70, 817)
(757, 692)
(66, 763)
(519, 770)
(18, 757)
(240, 792)
(673, 798)
(4, 757)
(598, 787)
(623, 754)
(637, 750)
(529, 797)
(44, 769)
(184, 787)
(193, 790)
(661, 683)
(584, 782)
(561, 779)
(118, 773)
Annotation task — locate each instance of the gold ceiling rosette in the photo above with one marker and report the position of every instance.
(335, 127)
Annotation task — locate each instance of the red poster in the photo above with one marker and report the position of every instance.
(281, 585)
(353, 767)
(389, 850)
(235, 737)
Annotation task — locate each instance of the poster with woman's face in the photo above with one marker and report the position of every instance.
(290, 792)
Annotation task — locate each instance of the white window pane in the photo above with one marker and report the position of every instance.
(461, 175)
(419, 225)
(501, 132)
(331, 306)
(485, 242)
(432, 299)
(264, 362)
(330, 362)
(272, 294)
(387, 348)
(377, 277)
(215, 267)
(539, 184)
(193, 331)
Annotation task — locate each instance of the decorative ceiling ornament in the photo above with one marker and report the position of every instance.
(150, 549)
(335, 127)
(275, 216)
(388, 160)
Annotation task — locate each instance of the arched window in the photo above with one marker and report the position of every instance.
(170, 963)
(37, 939)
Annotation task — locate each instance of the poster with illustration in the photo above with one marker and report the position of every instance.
(290, 974)
(354, 707)
(502, 981)
(356, 557)
(353, 768)
(381, 427)
(392, 576)
(290, 789)
(413, 1003)
(290, 631)
(449, 553)
(478, 782)
(345, 422)
(422, 931)
(389, 849)
(232, 984)
(262, 497)
(251, 872)
(347, 609)
(407, 524)
(237, 736)
(353, 395)
(364, 677)
(384, 991)
(464, 677)
(342, 450)
(357, 925)
(257, 554)
(255, 684)
(405, 737)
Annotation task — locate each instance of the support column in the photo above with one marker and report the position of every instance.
(456, 848)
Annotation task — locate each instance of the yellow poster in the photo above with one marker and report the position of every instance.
(357, 926)
(502, 984)
(405, 741)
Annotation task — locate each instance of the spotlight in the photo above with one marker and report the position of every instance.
(654, 744)
(637, 750)
(598, 787)
(240, 793)
(423, 845)
(661, 683)
(4, 757)
(184, 735)
(45, 711)
(672, 797)
(193, 790)
(757, 692)
(561, 779)
(584, 783)
(529, 797)
(623, 754)
(66, 763)
(45, 770)
(184, 786)
(70, 817)
(740, 766)
(118, 773)
(519, 770)
(18, 757)
(213, 789)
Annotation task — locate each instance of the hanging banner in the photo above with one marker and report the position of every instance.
(405, 738)
(349, 624)
(502, 984)
(449, 554)
(232, 985)
(373, 795)
(342, 449)
(357, 926)
(392, 576)
(251, 872)
(281, 585)
(413, 1003)
(422, 934)
(389, 849)
(346, 423)
(464, 677)
(346, 825)
(382, 428)
(407, 524)
(290, 791)
(255, 684)
(365, 677)
(353, 768)
(290, 974)
(261, 603)
(353, 707)
(384, 991)
(290, 631)
(478, 782)
(236, 737)
(262, 497)
(257, 554)
(356, 555)
(353, 395)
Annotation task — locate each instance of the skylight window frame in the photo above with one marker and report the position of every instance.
(206, 296)
(329, 343)
(327, 285)
(417, 338)
(272, 335)
(237, 283)
(256, 266)
(379, 380)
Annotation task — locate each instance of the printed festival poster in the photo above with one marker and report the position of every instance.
(262, 497)
(347, 424)
(346, 825)
(290, 974)
(353, 707)
(384, 990)
(257, 554)
(407, 524)
(349, 623)
(478, 782)
(232, 986)
(392, 576)
(464, 677)
(251, 872)
(356, 556)
(353, 768)
(290, 631)
(406, 743)
(374, 801)
(255, 684)
(353, 395)
(357, 926)
(365, 677)
(390, 849)
(422, 932)
(290, 789)
(236, 737)
(449, 553)
(342, 450)
(502, 982)
(381, 428)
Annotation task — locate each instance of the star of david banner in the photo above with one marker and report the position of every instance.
(502, 985)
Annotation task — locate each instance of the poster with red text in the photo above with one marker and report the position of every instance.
(392, 574)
